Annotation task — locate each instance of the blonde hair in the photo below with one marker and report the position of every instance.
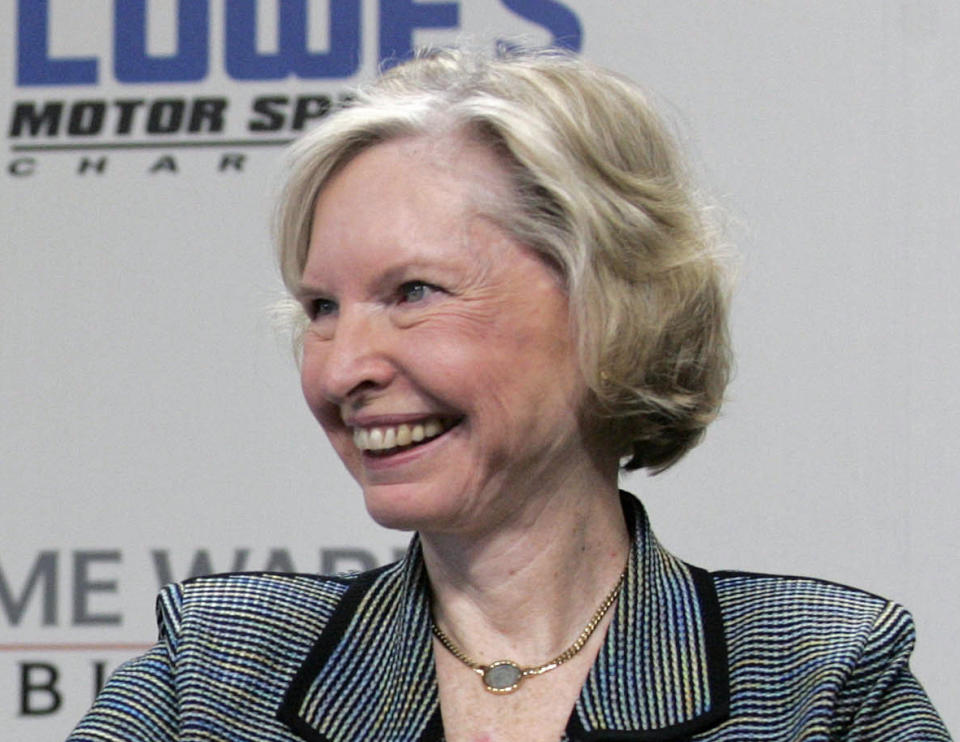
(600, 192)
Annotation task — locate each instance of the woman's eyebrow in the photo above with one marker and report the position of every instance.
(304, 289)
(385, 278)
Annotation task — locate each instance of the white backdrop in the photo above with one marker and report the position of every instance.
(149, 414)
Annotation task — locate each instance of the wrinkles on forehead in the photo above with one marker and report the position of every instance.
(453, 156)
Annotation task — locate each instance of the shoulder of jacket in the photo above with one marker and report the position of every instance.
(787, 600)
(737, 581)
(251, 599)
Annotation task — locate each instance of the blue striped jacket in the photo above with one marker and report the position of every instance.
(689, 655)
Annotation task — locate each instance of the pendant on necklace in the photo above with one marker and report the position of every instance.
(503, 676)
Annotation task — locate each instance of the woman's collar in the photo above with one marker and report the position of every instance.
(660, 675)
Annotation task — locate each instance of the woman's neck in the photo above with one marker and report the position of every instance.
(528, 588)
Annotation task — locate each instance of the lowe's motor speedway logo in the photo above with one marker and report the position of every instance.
(118, 97)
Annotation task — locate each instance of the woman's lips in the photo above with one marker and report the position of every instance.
(387, 439)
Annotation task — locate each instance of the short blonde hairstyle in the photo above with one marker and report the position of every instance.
(600, 192)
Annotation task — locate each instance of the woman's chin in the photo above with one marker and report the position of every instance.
(404, 507)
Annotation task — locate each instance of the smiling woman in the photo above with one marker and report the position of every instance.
(506, 292)
(435, 319)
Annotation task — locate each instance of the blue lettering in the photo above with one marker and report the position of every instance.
(556, 17)
(399, 21)
(293, 57)
(34, 65)
(399, 18)
(133, 64)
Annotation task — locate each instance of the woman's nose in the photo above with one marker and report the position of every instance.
(356, 358)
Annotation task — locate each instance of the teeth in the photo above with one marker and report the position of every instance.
(386, 438)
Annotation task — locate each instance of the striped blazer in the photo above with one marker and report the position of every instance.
(689, 655)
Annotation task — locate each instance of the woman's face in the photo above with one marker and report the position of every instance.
(439, 358)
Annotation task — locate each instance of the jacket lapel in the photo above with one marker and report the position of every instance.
(662, 671)
(370, 675)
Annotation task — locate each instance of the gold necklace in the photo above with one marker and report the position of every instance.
(504, 676)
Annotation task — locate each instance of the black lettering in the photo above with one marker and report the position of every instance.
(232, 161)
(27, 115)
(279, 561)
(308, 108)
(127, 110)
(22, 167)
(272, 118)
(99, 165)
(166, 116)
(44, 570)
(330, 560)
(167, 162)
(201, 564)
(207, 111)
(99, 676)
(31, 687)
(86, 118)
(83, 586)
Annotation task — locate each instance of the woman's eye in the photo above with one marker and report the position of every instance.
(413, 291)
(317, 308)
